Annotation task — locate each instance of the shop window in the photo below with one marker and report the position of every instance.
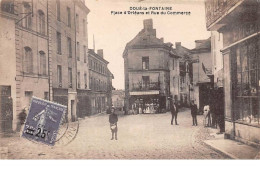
(247, 83)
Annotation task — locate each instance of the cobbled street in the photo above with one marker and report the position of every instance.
(139, 137)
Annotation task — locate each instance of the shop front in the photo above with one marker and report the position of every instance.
(242, 82)
(147, 102)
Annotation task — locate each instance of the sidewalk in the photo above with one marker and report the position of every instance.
(231, 148)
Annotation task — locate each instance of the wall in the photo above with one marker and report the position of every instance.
(8, 58)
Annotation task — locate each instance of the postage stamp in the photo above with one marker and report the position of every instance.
(43, 121)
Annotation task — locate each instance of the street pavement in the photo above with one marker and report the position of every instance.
(146, 136)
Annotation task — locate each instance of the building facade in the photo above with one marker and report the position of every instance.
(202, 73)
(118, 97)
(83, 90)
(238, 21)
(149, 65)
(100, 82)
(7, 66)
(185, 75)
(62, 54)
(41, 46)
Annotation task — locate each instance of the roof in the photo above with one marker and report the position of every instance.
(92, 52)
(204, 45)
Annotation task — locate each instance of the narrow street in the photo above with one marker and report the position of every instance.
(139, 137)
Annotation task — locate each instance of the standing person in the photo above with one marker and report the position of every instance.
(194, 111)
(21, 116)
(207, 115)
(174, 110)
(113, 123)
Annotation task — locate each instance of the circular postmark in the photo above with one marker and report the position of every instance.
(67, 132)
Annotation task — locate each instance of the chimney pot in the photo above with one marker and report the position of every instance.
(100, 52)
(148, 24)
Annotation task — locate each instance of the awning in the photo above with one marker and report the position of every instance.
(141, 93)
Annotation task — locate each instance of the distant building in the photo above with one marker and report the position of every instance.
(202, 72)
(100, 82)
(151, 69)
(238, 21)
(118, 97)
(185, 75)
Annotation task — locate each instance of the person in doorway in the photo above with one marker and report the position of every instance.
(113, 119)
(194, 111)
(174, 110)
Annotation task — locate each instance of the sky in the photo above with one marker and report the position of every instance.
(112, 32)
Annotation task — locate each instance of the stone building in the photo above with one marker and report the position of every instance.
(83, 90)
(62, 54)
(238, 21)
(150, 65)
(118, 97)
(7, 65)
(100, 82)
(185, 75)
(202, 72)
(40, 39)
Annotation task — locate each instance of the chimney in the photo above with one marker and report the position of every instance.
(148, 24)
(162, 40)
(100, 52)
(177, 45)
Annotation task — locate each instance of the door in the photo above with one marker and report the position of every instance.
(72, 110)
(6, 109)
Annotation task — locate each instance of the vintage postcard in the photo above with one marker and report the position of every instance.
(129, 79)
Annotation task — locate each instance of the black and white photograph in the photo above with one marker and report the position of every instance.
(130, 80)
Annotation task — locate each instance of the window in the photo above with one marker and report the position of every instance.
(146, 82)
(7, 6)
(28, 98)
(85, 80)
(68, 17)
(58, 43)
(84, 27)
(58, 9)
(27, 16)
(77, 22)
(246, 64)
(78, 79)
(28, 60)
(69, 47)
(70, 77)
(46, 95)
(59, 75)
(41, 17)
(91, 83)
(145, 62)
(43, 65)
(85, 54)
(173, 64)
(78, 51)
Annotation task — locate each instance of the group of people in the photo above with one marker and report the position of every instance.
(147, 108)
(174, 111)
